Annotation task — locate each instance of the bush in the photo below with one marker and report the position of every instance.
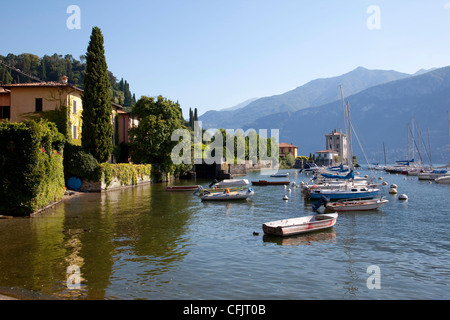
(126, 173)
(31, 166)
(78, 163)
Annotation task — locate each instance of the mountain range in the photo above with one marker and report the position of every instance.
(382, 105)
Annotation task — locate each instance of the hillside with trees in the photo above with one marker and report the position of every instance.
(15, 68)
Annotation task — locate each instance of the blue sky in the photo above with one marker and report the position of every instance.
(213, 54)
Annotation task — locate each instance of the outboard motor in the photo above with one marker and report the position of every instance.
(321, 204)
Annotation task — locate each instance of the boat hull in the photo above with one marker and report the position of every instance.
(336, 195)
(227, 196)
(445, 180)
(280, 175)
(290, 227)
(232, 183)
(182, 188)
(356, 205)
(270, 183)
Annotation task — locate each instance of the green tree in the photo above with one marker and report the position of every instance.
(151, 140)
(97, 128)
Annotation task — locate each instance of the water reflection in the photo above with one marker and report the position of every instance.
(321, 236)
(145, 243)
(95, 232)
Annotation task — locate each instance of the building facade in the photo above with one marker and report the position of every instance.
(286, 148)
(23, 101)
(337, 142)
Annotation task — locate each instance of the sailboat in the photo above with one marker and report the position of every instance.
(348, 188)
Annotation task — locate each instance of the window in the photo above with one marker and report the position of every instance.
(74, 133)
(74, 104)
(38, 105)
(5, 112)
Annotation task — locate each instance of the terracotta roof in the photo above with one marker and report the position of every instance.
(286, 145)
(55, 84)
(326, 151)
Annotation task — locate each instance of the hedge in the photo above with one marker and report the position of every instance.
(127, 174)
(31, 166)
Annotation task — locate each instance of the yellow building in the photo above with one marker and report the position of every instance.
(28, 100)
(286, 148)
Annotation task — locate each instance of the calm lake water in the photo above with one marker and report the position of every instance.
(146, 243)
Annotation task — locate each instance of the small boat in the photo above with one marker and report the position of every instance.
(343, 193)
(444, 179)
(290, 227)
(182, 188)
(231, 183)
(309, 167)
(356, 205)
(228, 195)
(201, 191)
(270, 183)
(433, 175)
(280, 175)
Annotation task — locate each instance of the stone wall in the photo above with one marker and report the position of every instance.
(242, 169)
(100, 186)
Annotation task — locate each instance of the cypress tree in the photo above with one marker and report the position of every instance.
(191, 118)
(195, 115)
(97, 127)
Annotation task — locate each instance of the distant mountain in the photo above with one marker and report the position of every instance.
(312, 94)
(240, 105)
(379, 114)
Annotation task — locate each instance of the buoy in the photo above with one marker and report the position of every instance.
(392, 191)
(384, 183)
(403, 197)
(74, 183)
(285, 197)
(394, 186)
(380, 178)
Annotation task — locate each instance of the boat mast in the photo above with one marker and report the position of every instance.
(409, 150)
(412, 136)
(350, 150)
(429, 146)
(345, 119)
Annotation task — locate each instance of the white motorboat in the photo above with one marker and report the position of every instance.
(290, 227)
(444, 179)
(434, 174)
(228, 195)
(231, 183)
(356, 205)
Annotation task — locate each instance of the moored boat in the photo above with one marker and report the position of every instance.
(231, 183)
(347, 192)
(289, 227)
(357, 205)
(444, 179)
(201, 191)
(433, 175)
(309, 167)
(270, 183)
(182, 188)
(280, 175)
(228, 195)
